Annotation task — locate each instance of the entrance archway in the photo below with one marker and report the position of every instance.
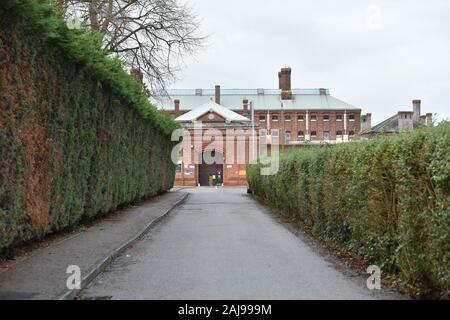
(210, 174)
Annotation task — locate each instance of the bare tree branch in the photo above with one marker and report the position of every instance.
(149, 35)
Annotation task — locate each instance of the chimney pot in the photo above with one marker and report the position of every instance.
(217, 94)
(177, 105)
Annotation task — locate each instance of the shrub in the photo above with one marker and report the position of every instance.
(386, 199)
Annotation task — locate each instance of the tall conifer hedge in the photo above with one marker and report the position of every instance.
(78, 137)
(387, 199)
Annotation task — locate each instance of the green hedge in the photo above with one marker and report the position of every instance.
(78, 137)
(387, 200)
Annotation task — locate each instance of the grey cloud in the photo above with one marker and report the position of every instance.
(379, 64)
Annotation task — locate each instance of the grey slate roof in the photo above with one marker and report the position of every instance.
(303, 99)
(390, 125)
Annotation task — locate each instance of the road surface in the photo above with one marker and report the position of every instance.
(221, 244)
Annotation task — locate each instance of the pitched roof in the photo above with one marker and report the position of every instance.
(391, 125)
(388, 125)
(211, 106)
(264, 99)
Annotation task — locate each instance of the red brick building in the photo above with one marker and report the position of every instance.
(292, 116)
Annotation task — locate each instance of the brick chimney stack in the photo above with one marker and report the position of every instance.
(177, 105)
(245, 104)
(217, 94)
(405, 120)
(366, 122)
(429, 119)
(416, 110)
(137, 74)
(284, 83)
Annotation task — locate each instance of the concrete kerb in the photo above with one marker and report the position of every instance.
(101, 264)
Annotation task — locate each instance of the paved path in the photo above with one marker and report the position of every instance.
(221, 244)
(43, 274)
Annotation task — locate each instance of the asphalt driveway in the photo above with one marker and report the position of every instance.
(222, 244)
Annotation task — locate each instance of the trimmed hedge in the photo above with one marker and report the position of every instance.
(387, 200)
(78, 137)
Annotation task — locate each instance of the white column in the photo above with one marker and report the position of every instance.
(307, 136)
(307, 122)
(345, 122)
(345, 137)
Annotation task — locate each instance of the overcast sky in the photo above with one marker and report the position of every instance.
(377, 55)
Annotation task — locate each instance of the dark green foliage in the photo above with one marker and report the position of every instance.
(387, 200)
(78, 137)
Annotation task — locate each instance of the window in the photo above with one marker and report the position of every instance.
(275, 118)
(339, 117)
(287, 118)
(313, 134)
(326, 135)
(326, 118)
(262, 118)
(287, 135)
(338, 134)
(301, 118)
(178, 167)
(313, 118)
(301, 135)
(274, 132)
(351, 117)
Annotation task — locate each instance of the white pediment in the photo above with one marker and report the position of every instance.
(212, 107)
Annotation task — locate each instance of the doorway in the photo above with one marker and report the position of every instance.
(210, 174)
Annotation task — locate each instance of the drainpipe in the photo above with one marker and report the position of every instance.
(252, 111)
